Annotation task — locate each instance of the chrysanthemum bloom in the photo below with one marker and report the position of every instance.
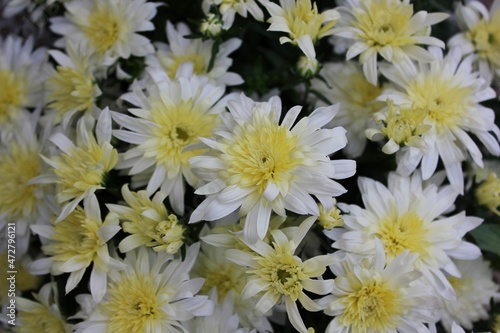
(388, 28)
(260, 166)
(148, 222)
(302, 22)
(21, 202)
(42, 316)
(171, 115)
(448, 94)
(480, 36)
(22, 73)
(71, 87)
(474, 289)
(198, 52)
(408, 215)
(488, 193)
(227, 280)
(229, 8)
(153, 294)
(346, 84)
(81, 168)
(222, 320)
(373, 296)
(277, 274)
(401, 126)
(76, 242)
(107, 28)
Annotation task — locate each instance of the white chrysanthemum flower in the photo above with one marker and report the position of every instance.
(480, 36)
(302, 22)
(448, 93)
(198, 52)
(229, 8)
(346, 84)
(81, 168)
(474, 290)
(76, 242)
(153, 294)
(171, 115)
(227, 279)
(21, 202)
(42, 316)
(71, 87)
(407, 215)
(373, 296)
(22, 76)
(260, 166)
(223, 319)
(148, 222)
(276, 274)
(387, 28)
(107, 28)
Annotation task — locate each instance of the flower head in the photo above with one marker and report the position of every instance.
(302, 21)
(22, 73)
(172, 114)
(445, 95)
(198, 52)
(474, 289)
(346, 84)
(42, 315)
(277, 274)
(259, 165)
(76, 242)
(153, 293)
(229, 9)
(148, 222)
(480, 35)
(488, 193)
(388, 28)
(376, 296)
(81, 168)
(108, 28)
(72, 86)
(407, 215)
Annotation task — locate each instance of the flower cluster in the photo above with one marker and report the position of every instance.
(250, 166)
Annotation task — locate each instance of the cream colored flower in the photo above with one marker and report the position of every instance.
(258, 165)
(303, 23)
(388, 28)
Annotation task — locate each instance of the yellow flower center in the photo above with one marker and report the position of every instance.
(486, 39)
(305, 20)
(331, 219)
(283, 272)
(262, 151)
(403, 126)
(103, 29)
(71, 89)
(384, 23)
(488, 193)
(134, 305)
(83, 168)
(40, 320)
(17, 167)
(178, 126)
(11, 95)
(406, 232)
(171, 65)
(443, 101)
(75, 237)
(224, 277)
(372, 307)
(362, 93)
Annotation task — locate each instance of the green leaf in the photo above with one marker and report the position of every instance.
(487, 237)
